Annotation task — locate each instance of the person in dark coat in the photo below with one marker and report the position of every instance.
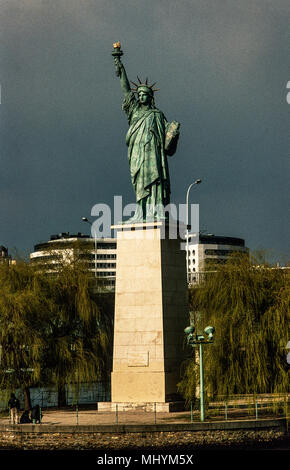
(35, 414)
(25, 417)
(14, 406)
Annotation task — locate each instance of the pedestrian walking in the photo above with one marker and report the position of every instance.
(14, 406)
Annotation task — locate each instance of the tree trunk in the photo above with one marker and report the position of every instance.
(61, 396)
(27, 399)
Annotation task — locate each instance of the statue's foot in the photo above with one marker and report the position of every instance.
(133, 220)
(137, 218)
(148, 213)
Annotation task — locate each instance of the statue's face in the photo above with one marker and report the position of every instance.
(144, 97)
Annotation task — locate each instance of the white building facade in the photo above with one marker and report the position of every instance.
(205, 251)
(99, 255)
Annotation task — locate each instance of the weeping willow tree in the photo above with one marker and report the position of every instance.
(78, 333)
(20, 342)
(54, 330)
(249, 307)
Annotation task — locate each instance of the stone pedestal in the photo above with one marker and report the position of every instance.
(151, 312)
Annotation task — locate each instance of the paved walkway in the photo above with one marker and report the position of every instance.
(85, 418)
(94, 417)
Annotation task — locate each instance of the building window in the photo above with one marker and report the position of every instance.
(106, 265)
(212, 252)
(106, 256)
(107, 246)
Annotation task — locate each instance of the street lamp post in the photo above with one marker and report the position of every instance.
(201, 382)
(198, 181)
(85, 219)
(193, 341)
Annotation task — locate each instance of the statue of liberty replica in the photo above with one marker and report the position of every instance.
(151, 288)
(150, 139)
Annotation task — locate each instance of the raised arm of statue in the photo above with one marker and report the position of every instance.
(120, 69)
(123, 78)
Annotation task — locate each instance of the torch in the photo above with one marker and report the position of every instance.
(117, 53)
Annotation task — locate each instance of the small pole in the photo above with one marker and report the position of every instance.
(154, 412)
(286, 411)
(77, 414)
(191, 412)
(9, 415)
(40, 415)
(226, 410)
(116, 413)
(201, 382)
(256, 406)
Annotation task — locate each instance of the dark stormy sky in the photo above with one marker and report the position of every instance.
(222, 67)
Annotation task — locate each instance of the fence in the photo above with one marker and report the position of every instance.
(222, 408)
(248, 406)
(241, 407)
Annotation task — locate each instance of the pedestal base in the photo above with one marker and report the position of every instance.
(151, 312)
(172, 406)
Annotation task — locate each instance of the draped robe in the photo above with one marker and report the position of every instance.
(147, 158)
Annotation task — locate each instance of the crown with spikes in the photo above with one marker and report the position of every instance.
(149, 88)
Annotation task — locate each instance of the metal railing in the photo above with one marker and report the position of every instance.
(221, 408)
(248, 406)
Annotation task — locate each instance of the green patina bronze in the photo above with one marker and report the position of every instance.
(150, 139)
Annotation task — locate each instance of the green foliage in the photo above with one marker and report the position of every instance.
(20, 343)
(249, 307)
(53, 329)
(187, 386)
(79, 337)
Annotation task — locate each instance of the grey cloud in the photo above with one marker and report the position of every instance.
(222, 67)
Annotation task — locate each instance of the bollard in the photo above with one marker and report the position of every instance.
(256, 407)
(77, 414)
(116, 413)
(286, 411)
(191, 412)
(154, 413)
(9, 415)
(40, 415)
(226, 410)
